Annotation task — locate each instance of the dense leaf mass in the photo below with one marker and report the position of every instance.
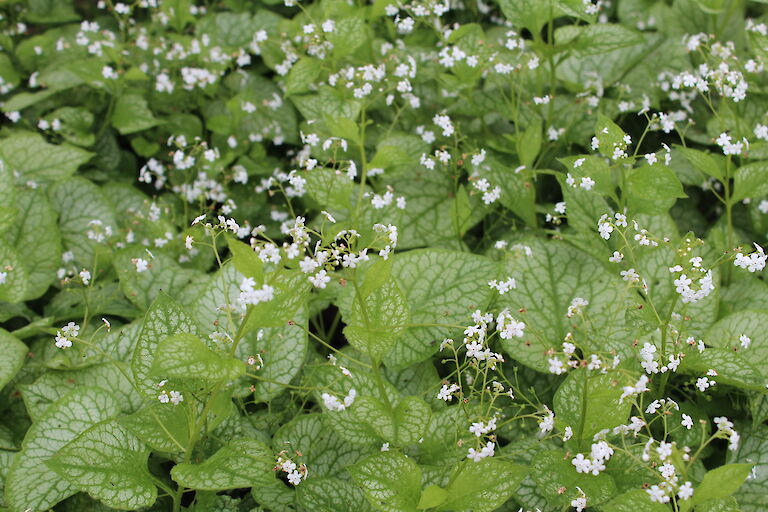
(386, 255)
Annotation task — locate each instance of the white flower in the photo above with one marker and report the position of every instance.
(85, 276)
(576, 305)
(62, 341)
(753, 262)
(320, 280)
(509, 327)
(71, 330)
(639, 387)
(582, 464)
(730, 148)
(685, 491)
(334, 404)
(486, 451)
(294, 477)
(109, 73)
(587, 183)
(745, 341)
(251, 295)
(556, 366)
(703, 383)
(446, 392)
(664, 450)
(503, 286)
(141, 264)
(580, 502)
(657, 494)
(444, 122)
(548, 422)
(653, 407)
(616, 258)
(630, 275)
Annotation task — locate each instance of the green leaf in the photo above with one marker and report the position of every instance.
(245, 260)
(547, 281)
(427, 219)
(240, 463)
(312, 434)
(162, 274)
(552, 472)
(38, 161)
(291, 290)
(160, 427)
(110, 464)
(733, 368)
(326, 102)
(750, 180)
(52, 385)
(282, 348)
(609, 135)
(588, 411)
(482, 486)
(164, 318)
(12, 355)
(653, 266)
(597, 38)
(529, 143)
(613, 66)
(702, 161)
(35, 236)
(462, 211)
(76, 125)
(390, 480)
(14, 286)
(402, 426)
(331, 495)
(330, 189)
(302, 75)
(208, 501)
(82, 207)
(143, 147)
(228, 28)
(376, 276)
(30, 485)
(431, 497)
(653, 189)
(752, 449)
(752, 323)
(372, 411)
(132, 114)
(721, 482)
(530, 14)
(184, 355)
(349, 35)
(728, 504)
(441, 287)
(377, 320)
(411, 419)
(633, 501)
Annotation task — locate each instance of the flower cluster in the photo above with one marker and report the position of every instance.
(294, 473)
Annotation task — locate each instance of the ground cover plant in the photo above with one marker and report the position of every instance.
(330, 255)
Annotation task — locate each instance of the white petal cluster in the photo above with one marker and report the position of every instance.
(332, 403)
